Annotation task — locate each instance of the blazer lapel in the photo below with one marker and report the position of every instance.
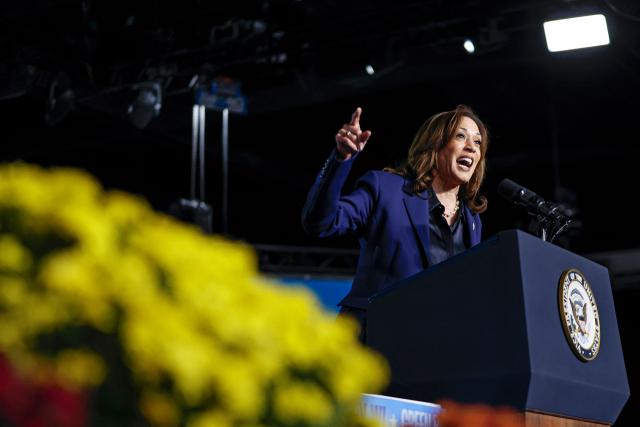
(418, 212)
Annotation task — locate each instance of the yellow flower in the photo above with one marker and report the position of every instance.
(208, 341)
(211, 418)
(78, 369)
(362, 421)
(12, 291)
(14, 257)
(125, 210)
(241, 389)
(78, 277)
(302, 402)
(160, 410)
(356, 372)
(40, 314)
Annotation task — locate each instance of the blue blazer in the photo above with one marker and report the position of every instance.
(390, 221)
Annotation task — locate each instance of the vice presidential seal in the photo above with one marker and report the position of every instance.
(579, 315)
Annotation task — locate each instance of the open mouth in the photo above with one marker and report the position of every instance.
(465, 162)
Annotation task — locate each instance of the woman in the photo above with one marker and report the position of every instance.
(406, 218)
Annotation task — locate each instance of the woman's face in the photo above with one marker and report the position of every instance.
(458, 159)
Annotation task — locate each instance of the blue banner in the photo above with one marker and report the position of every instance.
(396, 412)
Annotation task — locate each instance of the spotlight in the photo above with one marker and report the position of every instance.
(469, 46)
(369, 69)
(576, 33)
(147, 104)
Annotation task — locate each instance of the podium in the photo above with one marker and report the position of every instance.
(488, 326)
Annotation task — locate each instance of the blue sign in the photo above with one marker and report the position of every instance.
(235, 104)
(396, 412)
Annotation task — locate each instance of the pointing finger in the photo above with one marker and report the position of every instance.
(355, 117)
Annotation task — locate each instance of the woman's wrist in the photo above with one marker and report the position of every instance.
(342, 157)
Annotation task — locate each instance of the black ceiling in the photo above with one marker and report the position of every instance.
(564, 124)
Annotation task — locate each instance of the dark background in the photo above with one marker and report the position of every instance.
(565, 125)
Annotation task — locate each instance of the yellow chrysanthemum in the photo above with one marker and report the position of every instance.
(302, 403)
(14, 257)
(207, 340)
(79, 369)
(161, 410)
(212, 418)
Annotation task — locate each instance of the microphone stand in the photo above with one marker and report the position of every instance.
(551, 225)
(547, 219)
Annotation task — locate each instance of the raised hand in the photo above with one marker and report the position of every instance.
(350, 139)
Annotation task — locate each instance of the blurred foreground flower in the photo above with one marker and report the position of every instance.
(112, 314)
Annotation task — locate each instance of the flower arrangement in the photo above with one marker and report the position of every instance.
(112, 314)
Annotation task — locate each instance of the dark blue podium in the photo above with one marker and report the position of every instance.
(486, 326)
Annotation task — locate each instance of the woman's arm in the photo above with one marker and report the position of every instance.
(325, 212)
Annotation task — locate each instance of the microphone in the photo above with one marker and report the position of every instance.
(535, 204)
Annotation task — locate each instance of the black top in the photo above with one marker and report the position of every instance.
(446, 240)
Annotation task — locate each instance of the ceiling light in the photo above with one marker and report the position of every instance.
(576, 33)
(469, 46)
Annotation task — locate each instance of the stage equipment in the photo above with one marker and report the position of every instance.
(195, 209)
(146, 104)
(512, 321)
(550, 220)
(303, 260)
(576, 33)
(194, 212)
(223, 95)
(61, 99)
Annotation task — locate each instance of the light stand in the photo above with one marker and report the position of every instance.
(222, 95)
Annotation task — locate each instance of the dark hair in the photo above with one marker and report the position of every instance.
(433, 136)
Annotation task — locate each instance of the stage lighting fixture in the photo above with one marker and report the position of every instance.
(60, 101)
(469, 46)
(369, 69)
(146, 105)
(576, 33)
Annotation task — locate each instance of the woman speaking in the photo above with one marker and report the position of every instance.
(406, 218)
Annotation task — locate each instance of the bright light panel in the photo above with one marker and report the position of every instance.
(576, 33)
(469, 46)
